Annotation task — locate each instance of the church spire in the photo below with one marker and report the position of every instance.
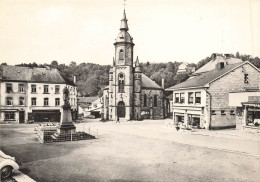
(124, 25)
(137, 62)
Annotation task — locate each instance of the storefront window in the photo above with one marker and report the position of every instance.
(9, 115)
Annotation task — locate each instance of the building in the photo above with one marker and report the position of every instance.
(203, 100)
(185, 68)
(131, 95)
(33, 94)
(247, 105)
(86, 102)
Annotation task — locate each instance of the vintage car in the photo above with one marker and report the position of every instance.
(7, 165)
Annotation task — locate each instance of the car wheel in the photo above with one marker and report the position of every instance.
(6, 171)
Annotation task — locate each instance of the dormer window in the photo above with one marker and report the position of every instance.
(121, 54)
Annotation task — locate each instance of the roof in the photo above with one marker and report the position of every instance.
(205, 78)
(212, 64)
(26, 74)
(86, 99)
(149, 84)
(170, 97)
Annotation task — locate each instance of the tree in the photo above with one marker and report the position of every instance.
(54, 64)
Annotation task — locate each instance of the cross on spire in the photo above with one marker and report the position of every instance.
(124, 3)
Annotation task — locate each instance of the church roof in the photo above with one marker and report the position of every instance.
(147, 83)
(124, 36)
(124, 25)
(26, 74)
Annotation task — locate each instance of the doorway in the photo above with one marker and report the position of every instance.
(21, 116)
(121, 109)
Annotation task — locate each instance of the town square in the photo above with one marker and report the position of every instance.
(122, 90)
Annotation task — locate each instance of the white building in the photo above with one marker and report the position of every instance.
(33, 94)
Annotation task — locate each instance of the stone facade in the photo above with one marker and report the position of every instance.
(130, 95)
(214, 110)
(219, 90)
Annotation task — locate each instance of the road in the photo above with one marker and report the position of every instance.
(133, 151)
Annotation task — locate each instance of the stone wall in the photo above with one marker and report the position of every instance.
(219, 91)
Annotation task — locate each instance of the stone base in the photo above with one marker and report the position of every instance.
(66, 128)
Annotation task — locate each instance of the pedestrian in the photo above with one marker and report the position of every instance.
(117, 120)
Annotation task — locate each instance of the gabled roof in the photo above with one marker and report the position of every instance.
(147, 83)
(200, 81)
(212, 64)
(26, 74)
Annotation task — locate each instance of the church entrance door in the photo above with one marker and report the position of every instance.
(121, 109)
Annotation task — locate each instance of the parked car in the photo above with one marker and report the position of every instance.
(7, 165)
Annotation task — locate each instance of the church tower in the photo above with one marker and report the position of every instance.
(121, 76)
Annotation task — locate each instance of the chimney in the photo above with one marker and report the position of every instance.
(163, 83)
(227, 56)
(213, 56)
(74, 79)
(220, 65)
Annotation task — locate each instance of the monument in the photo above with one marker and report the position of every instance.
(66, 126)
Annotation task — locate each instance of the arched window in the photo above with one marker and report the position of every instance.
(145, 100)
(155, 100)
(21, 101)
(121, 54)
(121, 83)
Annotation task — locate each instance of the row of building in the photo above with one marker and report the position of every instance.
(33, 94)
(222, 93)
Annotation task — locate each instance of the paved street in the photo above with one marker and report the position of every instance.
(135, 151)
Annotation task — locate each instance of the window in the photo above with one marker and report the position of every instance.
(46, 89)
(177, 98)
(33, 101)
(223, 112)
(9, 88)
(9, 101)
(232, 112)
(145, 100)
(46, 101)
(197, 97)
(245, 78)
(213, 112)
(57, 101)
(155, 100)
(33, 88)
(21, 101)
(9, 115)
(21, 88)
(121, 82)
(191, 97)
(57, 89)
(182, 98)
(121, 55)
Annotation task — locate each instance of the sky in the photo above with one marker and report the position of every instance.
(167, 30)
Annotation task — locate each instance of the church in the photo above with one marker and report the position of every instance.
(131, 95)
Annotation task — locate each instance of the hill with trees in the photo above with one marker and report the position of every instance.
(91, 78)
